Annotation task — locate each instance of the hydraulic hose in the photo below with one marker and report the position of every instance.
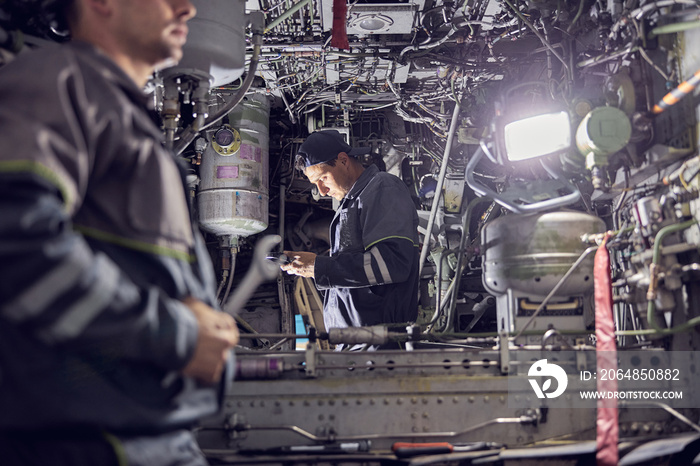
(651, 294)
(673, 97)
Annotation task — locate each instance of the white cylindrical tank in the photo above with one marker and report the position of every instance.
(233, 193)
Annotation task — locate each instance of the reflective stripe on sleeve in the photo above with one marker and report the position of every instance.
(84, 311)
(48, 288)
(368, 269)
(386, 276)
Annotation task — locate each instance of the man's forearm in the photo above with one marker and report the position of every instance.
(384, 263)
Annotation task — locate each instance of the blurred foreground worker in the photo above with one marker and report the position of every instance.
(371, 276)
(110, 346)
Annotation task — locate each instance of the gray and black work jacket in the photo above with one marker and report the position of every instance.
(371, 276)
(97, 249)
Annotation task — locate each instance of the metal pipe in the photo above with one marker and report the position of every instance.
(283, 193)
(674, 28)
(653, 270)
(438, 188)
(234, 253)
(289, 110)
(642, 11)
(538, 206)
(525, 419)
(606, 57)
(542, 39)
(454, 27)
(578, 15)
(460, 253)
(287, 14)
(438, 295)
(191, 132)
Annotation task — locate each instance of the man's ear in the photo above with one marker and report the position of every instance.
(343, 158)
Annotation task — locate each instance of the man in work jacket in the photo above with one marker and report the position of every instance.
(371, 275)
(110, 346)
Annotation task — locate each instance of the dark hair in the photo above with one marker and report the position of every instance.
(300, 162)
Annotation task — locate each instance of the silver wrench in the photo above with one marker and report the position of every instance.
(261, 270)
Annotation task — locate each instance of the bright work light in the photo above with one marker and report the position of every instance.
(523, 131)
(537, 136)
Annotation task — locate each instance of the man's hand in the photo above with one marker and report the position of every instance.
(302, 263)
(217, 335)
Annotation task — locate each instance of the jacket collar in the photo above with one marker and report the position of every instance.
(112, 72)
(362, 182)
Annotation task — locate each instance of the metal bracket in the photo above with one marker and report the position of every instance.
(310, 360)
(505, 355)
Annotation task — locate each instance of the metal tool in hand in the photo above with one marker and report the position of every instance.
(261, 270)
(279, 257)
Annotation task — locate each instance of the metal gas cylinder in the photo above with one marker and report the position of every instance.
(530, 253)
(233, 194)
